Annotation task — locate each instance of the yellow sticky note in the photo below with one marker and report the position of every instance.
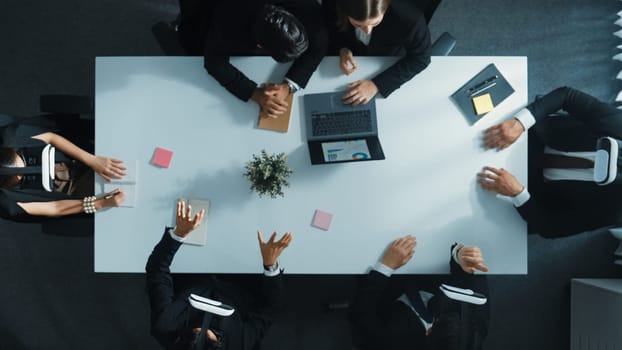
(483, 104)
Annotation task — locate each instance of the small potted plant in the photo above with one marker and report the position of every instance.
(268, 174)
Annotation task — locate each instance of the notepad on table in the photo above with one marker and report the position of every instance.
(128, 184)
(482, 104)
(322, 220)
(162, 157)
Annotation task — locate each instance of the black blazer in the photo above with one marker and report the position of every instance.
(379, 321)
(230, 35)
(402, 32)
(171, 314)
(563, 208)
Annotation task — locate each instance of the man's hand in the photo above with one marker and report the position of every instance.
(471, 259)
(107, 167)
(400, 252)
(271, 250)
(269, 101)
(360, 92)
(500, 181)
(346, 61)
(280, 91)
(184, 222)
(502, 135)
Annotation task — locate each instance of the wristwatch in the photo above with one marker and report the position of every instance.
(292, 87)
(271, 268)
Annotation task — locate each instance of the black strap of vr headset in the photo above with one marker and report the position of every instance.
(207, 319)
(34, 169)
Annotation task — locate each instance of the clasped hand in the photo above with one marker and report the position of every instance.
(271, 99)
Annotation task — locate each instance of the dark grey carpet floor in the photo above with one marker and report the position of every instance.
(51, 299)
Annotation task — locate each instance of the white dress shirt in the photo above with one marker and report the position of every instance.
(527, 119)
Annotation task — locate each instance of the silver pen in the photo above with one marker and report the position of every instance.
(483, 89)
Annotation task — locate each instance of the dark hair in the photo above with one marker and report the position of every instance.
(280, 34)
(359, 10)
(7, 159)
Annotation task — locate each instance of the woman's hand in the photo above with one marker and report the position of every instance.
(360, 92)
(346, 61)
(107, 168)
(111, 199)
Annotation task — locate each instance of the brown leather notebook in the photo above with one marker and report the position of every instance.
(281, 123)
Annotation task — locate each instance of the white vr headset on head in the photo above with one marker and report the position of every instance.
(606, 169)
(208, 305)
(463, 295)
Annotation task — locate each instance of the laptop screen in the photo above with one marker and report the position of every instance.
(339, 151)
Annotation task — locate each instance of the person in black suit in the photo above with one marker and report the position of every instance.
(287, 30)
(378, 28)
(391, 313)
(178, 325)
(563, 197)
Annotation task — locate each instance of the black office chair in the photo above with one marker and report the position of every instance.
(443, 45)
(168, 38)
(66, 104)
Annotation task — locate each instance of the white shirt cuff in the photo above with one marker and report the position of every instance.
(521, 198)
(174, 236)
(272, 273)
(454, 253)
(383, 269)
(525, 117)
(293, 83)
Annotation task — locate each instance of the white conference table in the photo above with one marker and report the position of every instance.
(425, 187)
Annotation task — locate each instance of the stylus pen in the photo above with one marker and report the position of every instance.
(483, 89)
(484, 83)
(111, 194)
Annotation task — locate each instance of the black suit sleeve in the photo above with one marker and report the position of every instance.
(216, 61)
(167, 314)
(417, 58)
(365, 312)
(268, 304)
(555, 219)
(310, 15)
(599, 117)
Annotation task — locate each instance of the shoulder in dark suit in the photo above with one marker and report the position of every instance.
(172, 316)
(563, 208)
(402, 32)
(229, 34)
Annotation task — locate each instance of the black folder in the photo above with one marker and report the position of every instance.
(488, 81)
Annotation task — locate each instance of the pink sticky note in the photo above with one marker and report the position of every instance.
(322, 219)
(162, 157)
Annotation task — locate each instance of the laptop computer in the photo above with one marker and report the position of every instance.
(337, 132)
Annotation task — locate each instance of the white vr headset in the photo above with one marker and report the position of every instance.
(39, 170)
(606, 169)
(208, 305)
(463, 295)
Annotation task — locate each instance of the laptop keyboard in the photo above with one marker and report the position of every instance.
(338, 123)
